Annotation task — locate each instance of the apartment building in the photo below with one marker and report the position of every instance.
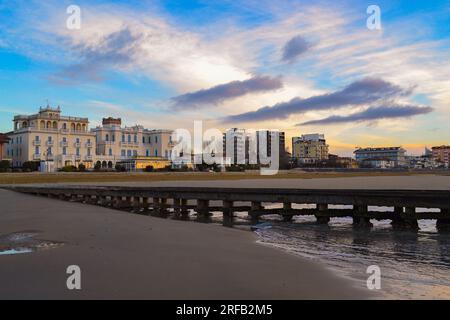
(441, 155)
(309, 148)
(51, 138)
(381, 157)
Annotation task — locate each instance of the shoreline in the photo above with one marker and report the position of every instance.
(126, 256)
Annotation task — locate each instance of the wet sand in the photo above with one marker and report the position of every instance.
(418, 182)
(125, 256)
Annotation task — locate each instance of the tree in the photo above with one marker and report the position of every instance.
(98, 166)
(81, 167)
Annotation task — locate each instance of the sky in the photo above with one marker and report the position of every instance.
(297, 66)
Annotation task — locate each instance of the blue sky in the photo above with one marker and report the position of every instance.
(306, 63)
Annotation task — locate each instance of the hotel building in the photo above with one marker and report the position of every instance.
(50, 137)
(116, 143)
(57, 141)
(309, 148)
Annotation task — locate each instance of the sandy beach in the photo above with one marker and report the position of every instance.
(125, 256)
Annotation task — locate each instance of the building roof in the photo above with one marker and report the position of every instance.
(378, 149)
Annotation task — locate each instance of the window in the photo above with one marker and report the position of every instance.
(36, 150)
(64, 126)
(150, 139)
(77, 140)
(113, 137)
(129, 138)
(129, 153)
(135, 153)
(107, 137)
(64, 139)
(36, 138)
(156, 139)
(143, 139)
(156, 152)
(64, 151)
(147, 153)
(49, 151)
(123, 138)
(89, 152)
(110, 152)
(78, 151)
(49, 139)
(122, 153)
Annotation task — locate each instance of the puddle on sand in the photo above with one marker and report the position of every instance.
(24, 242)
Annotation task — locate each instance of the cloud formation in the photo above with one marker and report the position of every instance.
(365, 91)
(222, 92)
(373, 113)
(294, 48)
(113, 49)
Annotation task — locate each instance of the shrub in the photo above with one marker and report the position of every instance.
(120, 168)
(5, 165)
(149, 169)
(81, 167)
(69, 169)
(29, 166)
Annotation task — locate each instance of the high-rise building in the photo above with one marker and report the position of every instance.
(309, 148)
(382, 157)
(441, 155)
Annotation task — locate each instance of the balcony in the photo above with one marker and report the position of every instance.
(77, 157)
(36, 143)
(49, 157)
(77, 144)
(36, 157)
(88, 144)
(88, 158)
(49, 143)
(64, 143)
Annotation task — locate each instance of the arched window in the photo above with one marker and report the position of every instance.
(135, 138)
(72, 126)
(78, 127)
(107, 137)
(49, 124)
(55, 125)
(129, 138)
(64, 126)
(110, 151)
(42, 124)
(123, 138)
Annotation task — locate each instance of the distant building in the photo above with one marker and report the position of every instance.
(383, 157)
(240, 140)
(441, 155)
(309, 148)
(3, 142)
(335, 161)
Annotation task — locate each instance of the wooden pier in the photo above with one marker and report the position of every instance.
(179, 201)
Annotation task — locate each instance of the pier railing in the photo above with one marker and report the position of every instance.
(399, 206)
